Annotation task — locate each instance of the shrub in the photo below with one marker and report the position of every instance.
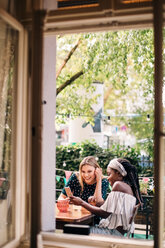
(69, 157)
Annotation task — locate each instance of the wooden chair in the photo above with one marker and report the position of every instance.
(135, 210)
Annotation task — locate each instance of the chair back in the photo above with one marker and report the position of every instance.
(135, 210)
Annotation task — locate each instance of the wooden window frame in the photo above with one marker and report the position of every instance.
(55, 23)
(60, 22)
(20, 135)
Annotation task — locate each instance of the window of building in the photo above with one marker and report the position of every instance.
(12, 157)
(60, 23)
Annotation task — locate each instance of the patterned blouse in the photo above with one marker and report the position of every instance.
(88, 190)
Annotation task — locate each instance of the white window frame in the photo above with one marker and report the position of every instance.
(60, 23)
(58, 240)
(20, 137)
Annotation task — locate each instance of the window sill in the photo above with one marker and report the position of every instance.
(77, 241)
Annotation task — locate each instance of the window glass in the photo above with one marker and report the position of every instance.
(79, 3)
(8, 58)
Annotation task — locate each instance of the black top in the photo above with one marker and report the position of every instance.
(88, 190)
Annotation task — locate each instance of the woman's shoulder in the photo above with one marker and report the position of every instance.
(75, 175)
(122, 187)
(73, 180)
(105, 181)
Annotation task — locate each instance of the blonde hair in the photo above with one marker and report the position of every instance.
(90, 160)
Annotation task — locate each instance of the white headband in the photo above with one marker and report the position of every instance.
(114, 164)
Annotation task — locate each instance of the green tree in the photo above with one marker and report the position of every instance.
(123, 61)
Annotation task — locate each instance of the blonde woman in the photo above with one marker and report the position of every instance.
(89, 184)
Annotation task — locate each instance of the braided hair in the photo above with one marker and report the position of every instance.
(131, 178)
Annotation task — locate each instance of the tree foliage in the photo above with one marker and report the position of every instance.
(123, 61)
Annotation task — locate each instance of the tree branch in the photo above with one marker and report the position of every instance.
(68, 82)
(67, 58)
(108, 92)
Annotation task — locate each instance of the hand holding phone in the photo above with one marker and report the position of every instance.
(68, 191)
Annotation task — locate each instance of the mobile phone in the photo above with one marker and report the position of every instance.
(68, 191)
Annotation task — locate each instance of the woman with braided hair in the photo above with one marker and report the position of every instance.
(120, 204)
(131, 178)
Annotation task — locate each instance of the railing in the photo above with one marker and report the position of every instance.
(145, 162)
(145, 215)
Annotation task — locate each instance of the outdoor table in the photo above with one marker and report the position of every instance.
(74, 215)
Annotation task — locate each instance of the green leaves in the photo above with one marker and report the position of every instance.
(72, 155)
(123, 60)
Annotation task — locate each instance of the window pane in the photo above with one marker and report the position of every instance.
(8, 58)
(77, 3)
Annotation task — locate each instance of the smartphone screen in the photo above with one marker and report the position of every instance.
(68, 191)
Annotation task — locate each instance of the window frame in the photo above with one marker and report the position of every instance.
(56, 24)
(20, 127)
(49, 28)
(22, 140)
(110, 15)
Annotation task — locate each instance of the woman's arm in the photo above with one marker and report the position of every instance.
(98, 191)
(89, 207)
(70, 184)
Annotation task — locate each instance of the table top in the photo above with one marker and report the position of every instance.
(74, 214)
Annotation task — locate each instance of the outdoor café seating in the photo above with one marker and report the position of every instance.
(143, 218)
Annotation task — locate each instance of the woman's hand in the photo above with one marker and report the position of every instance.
(91, 200)
(98, 173)
(76, 200)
